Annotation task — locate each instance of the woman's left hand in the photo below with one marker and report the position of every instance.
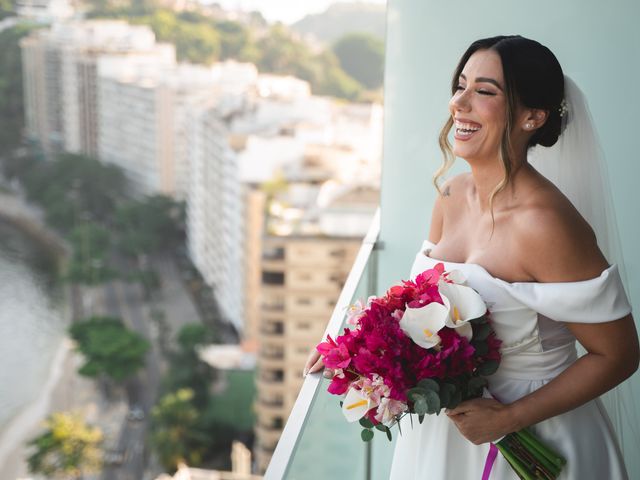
(482, 420)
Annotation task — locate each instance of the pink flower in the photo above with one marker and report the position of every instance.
(334, 355)
(339, 386)
(388, 409)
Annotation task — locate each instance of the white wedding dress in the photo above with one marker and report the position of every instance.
(536, 347)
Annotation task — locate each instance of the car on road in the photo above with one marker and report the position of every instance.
(136, 414)
(113, 457)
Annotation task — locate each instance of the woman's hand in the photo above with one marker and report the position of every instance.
(314, 363)
(483, 420)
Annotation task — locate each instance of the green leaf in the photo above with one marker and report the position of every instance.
(389, 437)
(488, 368)
(476, 384)
(420, 406)
(481, 347)
(446, 394)
(366, 423)
(381, 427)
(366, 435)
(433, 402)
(480, 320)
(420, 418)
(399, 427)
(415, 393)
(482, 331)
(456, 398)
(429, 384)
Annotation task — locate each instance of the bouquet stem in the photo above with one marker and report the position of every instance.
(529, 457)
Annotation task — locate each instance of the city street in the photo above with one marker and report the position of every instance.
(126, 301)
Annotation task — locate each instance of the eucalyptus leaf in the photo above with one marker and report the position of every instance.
(482, 331)
(433, 402)
(488, 368)
(480, 346)
(456, 398)
(415, 393)
(479, 320)
(366, 423)
(429, 384)
(420, 418)
(381, 427)
(389, 437)
(476, 384)
(447, 391)
(420, 406)
(366, 435)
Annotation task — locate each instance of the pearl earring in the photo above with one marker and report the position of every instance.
(528, 126)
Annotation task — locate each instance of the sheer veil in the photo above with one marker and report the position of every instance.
(576, 165)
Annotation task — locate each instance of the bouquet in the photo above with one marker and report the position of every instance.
(427, 344)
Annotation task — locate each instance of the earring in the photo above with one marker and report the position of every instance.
(528, 126)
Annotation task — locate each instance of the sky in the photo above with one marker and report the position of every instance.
(286, 11)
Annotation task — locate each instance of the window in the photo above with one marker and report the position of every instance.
(273, 278)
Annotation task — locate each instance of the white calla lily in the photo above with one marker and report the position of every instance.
(423, 324)
(465, 304)
(456, 276)
(356, 404)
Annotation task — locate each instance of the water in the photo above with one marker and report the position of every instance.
(31, 321)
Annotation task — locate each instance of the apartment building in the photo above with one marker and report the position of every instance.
(44, 11)
(60, 67)
(302, 276)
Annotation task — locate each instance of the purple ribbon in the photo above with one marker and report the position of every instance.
(488, 464)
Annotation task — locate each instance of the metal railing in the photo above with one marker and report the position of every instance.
(361, 279)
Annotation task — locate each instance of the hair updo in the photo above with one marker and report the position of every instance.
(533, 78)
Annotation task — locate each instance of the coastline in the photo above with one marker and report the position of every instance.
(64, 390)
(29, 220)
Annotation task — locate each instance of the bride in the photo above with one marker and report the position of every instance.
(536, 262)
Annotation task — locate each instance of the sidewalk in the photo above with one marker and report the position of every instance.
(65, 390)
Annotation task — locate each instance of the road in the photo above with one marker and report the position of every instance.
(126, 301)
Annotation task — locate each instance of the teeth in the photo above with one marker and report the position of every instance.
(466, 128)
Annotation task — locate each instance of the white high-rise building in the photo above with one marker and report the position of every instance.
(44, 11)
(145, 117)
(60, 78)
(215, 220)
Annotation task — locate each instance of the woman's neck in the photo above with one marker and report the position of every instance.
(488, 175)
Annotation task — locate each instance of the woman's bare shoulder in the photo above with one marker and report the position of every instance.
(457, 185)
(447, 204)
(557, 243)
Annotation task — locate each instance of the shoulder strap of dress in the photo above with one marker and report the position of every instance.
(600, 299)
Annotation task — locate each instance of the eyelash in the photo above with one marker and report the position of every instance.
(481, 92)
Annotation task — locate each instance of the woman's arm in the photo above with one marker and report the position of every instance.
(612, 356)
(559, 247)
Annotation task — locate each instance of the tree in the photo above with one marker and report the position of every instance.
(109, 348)
(67, 447)
(176, 431)
(361, 55)
(152, 225)
(186, 369)
(75, 187)
(88, 264)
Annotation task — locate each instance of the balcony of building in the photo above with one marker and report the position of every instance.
(317, 442)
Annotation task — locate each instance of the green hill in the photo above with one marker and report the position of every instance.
(342, 18)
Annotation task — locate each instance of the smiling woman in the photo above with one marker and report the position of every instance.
(536, 262)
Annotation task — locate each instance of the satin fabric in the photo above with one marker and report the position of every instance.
(536, 348)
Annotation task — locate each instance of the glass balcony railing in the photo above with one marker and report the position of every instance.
(317, 442)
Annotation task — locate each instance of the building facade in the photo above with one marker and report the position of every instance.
(301, 280)
(60, 67)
